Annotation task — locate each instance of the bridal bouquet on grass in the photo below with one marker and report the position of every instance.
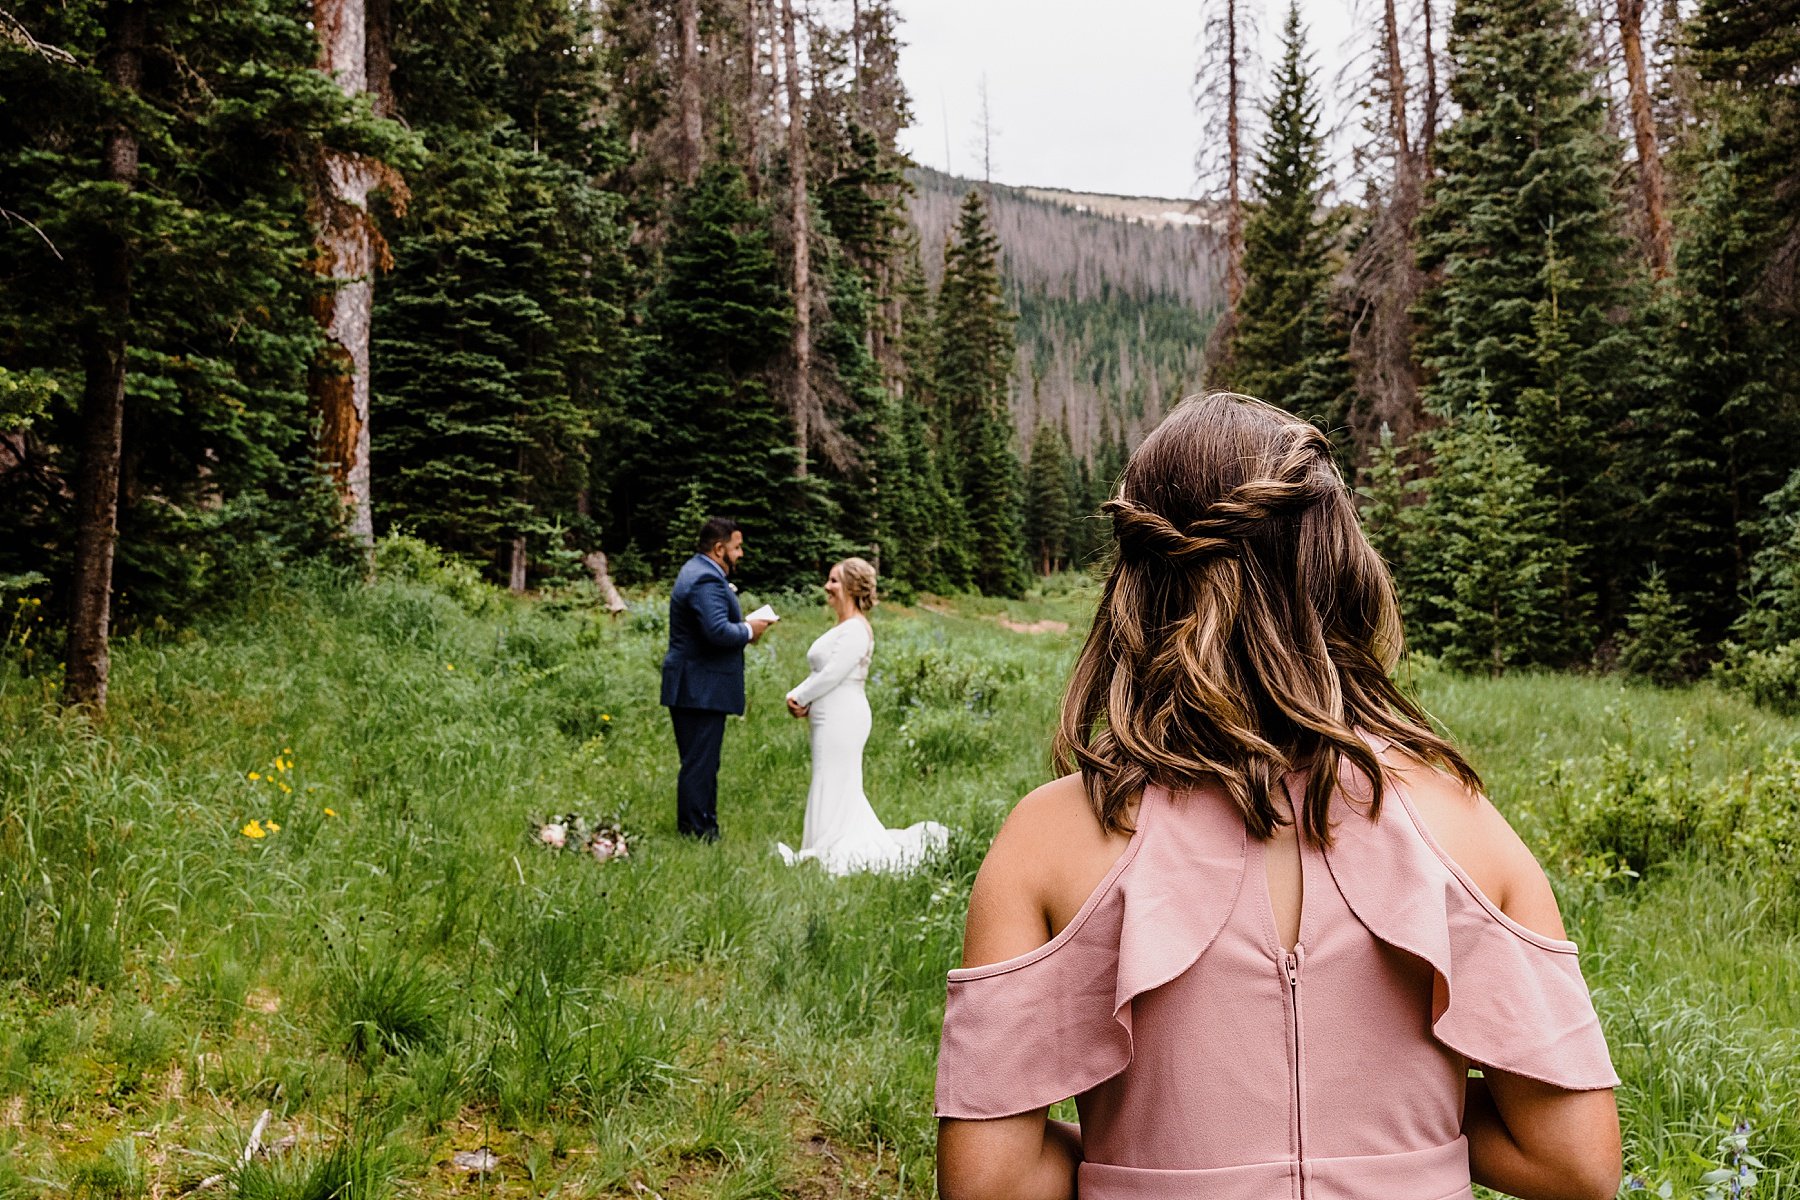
(603, 840)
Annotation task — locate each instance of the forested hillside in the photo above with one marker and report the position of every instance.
(1113, 311)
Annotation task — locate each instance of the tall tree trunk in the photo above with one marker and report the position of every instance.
(1428, 131)
(1384, 267)
(856, 57)
(802, 400)
(347, 253)
(378, 56)
(753, 122)
(689, 89)
(89, 658)
(1396, 88)
(1234, 210)
(1643, 128)
(1600, 31)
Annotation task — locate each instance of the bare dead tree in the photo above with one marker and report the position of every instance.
(1428, 125)
(984, 135)
(1396, 85)
(349, 251)
(1643, 129)
(1604, 59)
(688, 14)
(753, 91)
(1384, 278)
(103, 345)
(856, 58)
(1220, 95)
(801, 400)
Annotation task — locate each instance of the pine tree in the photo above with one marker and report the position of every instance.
(1716, 434)
(971, 381)
(1290, 345)
(1490, 592)
(500, 346)
(1660, 644)
(1047, 508)
(1390, 494)
(1085, 533)
(935, 552)
(1522, 227)
(177, 311)
(705, 414)
(1772, 617)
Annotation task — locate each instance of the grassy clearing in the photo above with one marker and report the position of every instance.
(400, 974)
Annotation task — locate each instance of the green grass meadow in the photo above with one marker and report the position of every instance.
(400, 973)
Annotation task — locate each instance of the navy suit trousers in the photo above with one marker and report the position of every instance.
(699, 736)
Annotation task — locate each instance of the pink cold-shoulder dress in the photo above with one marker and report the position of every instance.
(1207, 1061)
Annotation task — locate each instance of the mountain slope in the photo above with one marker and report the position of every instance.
(1115, 294)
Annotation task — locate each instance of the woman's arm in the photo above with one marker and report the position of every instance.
(1026, 1157)
(843, 652)
(1046, 859)
(1526, 1138)
(1538, 1142)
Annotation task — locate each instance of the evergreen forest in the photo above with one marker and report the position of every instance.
(541, 283)
(367, 368)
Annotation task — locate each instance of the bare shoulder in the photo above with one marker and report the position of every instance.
(1049, 855)
(1478, 838)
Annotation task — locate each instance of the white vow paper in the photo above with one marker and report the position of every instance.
(765, 613)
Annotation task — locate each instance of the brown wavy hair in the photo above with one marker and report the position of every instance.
(1247, 628)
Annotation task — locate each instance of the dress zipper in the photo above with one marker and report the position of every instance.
(1294, 959)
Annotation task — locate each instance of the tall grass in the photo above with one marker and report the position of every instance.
(399, 972)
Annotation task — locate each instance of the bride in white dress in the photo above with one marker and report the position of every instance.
(842, 831)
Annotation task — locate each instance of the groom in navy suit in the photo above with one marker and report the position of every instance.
(703, 672)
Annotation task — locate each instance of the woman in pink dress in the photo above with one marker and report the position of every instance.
(1268, 930)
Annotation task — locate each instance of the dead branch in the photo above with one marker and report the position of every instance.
(13, 30)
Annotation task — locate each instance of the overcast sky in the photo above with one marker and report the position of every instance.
(1092, 95)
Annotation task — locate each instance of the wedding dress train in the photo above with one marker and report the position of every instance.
(842, 832)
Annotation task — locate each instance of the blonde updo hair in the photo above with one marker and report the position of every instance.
(857, 577)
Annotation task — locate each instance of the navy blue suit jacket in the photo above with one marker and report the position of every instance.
(704, 667)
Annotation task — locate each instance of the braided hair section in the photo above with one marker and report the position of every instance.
(1245, 631)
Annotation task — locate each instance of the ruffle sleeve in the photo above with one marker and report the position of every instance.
(1029, 1031)
(1505, 997)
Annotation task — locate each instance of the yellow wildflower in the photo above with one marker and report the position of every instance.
(284, 787)
(254, 830)
(272, 826)
(255, 775)
(449, 666)
(606, 716)
(331, 812)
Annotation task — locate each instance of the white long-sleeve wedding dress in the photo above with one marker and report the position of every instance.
(842, 831)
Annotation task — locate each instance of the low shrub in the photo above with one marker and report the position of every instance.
(408, 559)
(1643, 816)
(933, 678)
(1770, 678)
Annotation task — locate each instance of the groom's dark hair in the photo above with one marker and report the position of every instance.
(716, 530)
